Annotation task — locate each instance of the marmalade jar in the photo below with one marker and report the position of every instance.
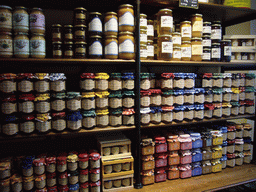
(150, 30)
(185, 28)
(197, 25)
(143, 21)
(110, 24)
(126, 45)
(80, 49)
(37, 21)
(6, 44)
(95, 24)
(164, 22)
(196, 49)
(126, 18)
(80, 16)
(165, 47)
(20, 19)
(56, 32)
(186, 51)
(68, 33)
(111, 47)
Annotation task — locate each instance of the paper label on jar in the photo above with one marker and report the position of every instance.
(216, 53)
(101, 102)
(167, 47)
(115, 120)
(177, 54)
(95, 25)
(227, 51)
(58, 86)
(20, 21)
(150, 51)
(189, 83)
(167, 21)
(207, 43)
(150, 30)
(197, 26)
(37, 47)
(80, 16)
(186, 52)
(244, 57)
(21, 47)
(74, 125)
(207, 29)
(115, 102)
(167, 83)
(115, 85)
(167, 116)
(143, 37)
(88, 104)
(9, 108)
(42, 86)
(89, 122)
(167, 100)
(143, 53)
(27, 127)
(80, 50)
(145, 101)
(206, 56)
(179, 100)
(6, 47)
(186, 32)
(7, 86)
(6, 20)
(128, 102)
(197, 49)
(10, 128)
(69, 36)
(111, 25)
(143, 22)
(56, 35)
(176, 40)
(126, 47)
(68, 53)
(111, 48)
(74, 104)
(95, 48)
(199, 98)
(59, 124)
(57, 53)
(145, 118)
(102, 120)
(43, 126)
(25, 86)
(126, 19)
(43, 107)
(58, 105)
(179, 116)
(26, 107)
(102, 84)
(87, 84)
(156, 100)
(37, 21)
(216, 34)
(128, 84)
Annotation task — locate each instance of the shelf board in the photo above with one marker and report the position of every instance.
(228, 177)
(195, 121)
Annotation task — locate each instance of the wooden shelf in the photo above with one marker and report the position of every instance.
(212, 182)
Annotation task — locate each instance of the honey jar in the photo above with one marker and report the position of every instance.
(165, 22)
(110, 24)
(165, 47)
(126, 18)
(186, 32)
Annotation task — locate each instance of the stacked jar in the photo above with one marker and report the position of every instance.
(247, 137)
(217, 141)
(94, 170)
(143, 37)
(145, 98)
(5, 175)
(147, 161)
(21, 23)
(206, 152)
(197, 157)
(39, 173)
(249, 93)
(9, 108)
(224, 132)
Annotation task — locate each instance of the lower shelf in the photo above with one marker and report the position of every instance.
(226, 178)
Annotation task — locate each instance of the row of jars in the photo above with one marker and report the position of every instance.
(19, 20)
(244, 56)
(51, 172)
(22, 46)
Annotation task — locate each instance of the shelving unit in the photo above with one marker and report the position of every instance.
(228, 16)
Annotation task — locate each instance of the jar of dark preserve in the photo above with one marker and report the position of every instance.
(226, 50)
(68, 33)
(80, 49)
(80, 33)
(57, 49)
(68, 51)
(95, 47)
(207, 28)
(56, 32)
(216, 52)
(216, 33)
(206, 54)
(95, 24)
(80, 16)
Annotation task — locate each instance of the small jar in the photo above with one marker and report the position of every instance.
(56, 32)
(42, 103)
(25, 82)
(155, 97)
(216, 165)
(206, 41)
(239, 145)
(173, 158)
(126, 45)
(143, 21)
(217, 94)
(87, 82)
(241, 93)
(188, 96)
(51, 179)
(6, 44)
(206, 153)
(231, 132)
(88, 101)
(80, 15)
(63, 178)
(247, 130)
(115, 83)
(150, 29)
(101, 81)
(207, 80)
(21, 45)
(155, 115)
(199, 112)
(216, 52)
(145, 115)
(16, 183)
(74, 121)
(186, 51)
(226, 109)
(160, 145)
(189, 112)
(128, 99)
(216, 152)
(208, 112)
(42, 84)
(7, 17)
(197, 25)
(186, 30)
(27, 124)
(161, 160)
(95, 48)
(37, 21)
(61, 164)
(185, 171)
(111, 47)
(28, 183)
(197, 155)
(176, 39)
(40, 181)
(207, 139)
(216, 33)
(8, 83)
(207, 28)
(196, 140)
(94, 160)
(173, 172)
(249, 93)
(62, 188)
(147, 147)
(145, 81)
(148, 162)
(68, 33)
(128, 117)
(231, 160)
(57, 49)
(217, 80)
(165, 47)
(10, 125)
(178, 114)
(57, 82)
(167, 114)
(27, 166)
(206, 167)
(80, 33)
(164, 22)
(115, 117)
(126, 18)
(72, 161)
(148, 177)
(73, 177)
(68, 50)
(247, 144)
(227, 94)
(185, 142)
(73, 101)
(102, 99)
(50, 164)
(178, 98)
(89, 119)
(83, 161)
(83, 175)
(39, 166)
(80, 49)
(9, 105)
(127, 81)
(160, 175)
(217, 111)
(226, 50)
(58, 102)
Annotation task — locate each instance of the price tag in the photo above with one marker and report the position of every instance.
(189, 3)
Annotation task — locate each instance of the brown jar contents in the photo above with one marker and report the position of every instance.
(126, 18)
(126, 45)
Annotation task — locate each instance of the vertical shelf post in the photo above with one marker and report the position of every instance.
(137, 167)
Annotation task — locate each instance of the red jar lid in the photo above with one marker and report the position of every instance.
(51, 175)
(84, 172)
(10, 98)
(52, 189)
(41, 190)
(209, 106)
(61, 160)
(231, 141)
(159, 138)
(28, 117)
(231, 127)
(155, 91)
(7, 76)
(61, 114)
(27, 97)
(39, 162)
(87, 76)
(83, 157)
(145, 92)
(160, 170)
(167, 75)
(49, 160)
(63, 188)
(84, 185)
(95, 171)
(94, 156)
(95, 184)
(25, 75)
(231, 155)
(207, 75)
(63, 175)
(161, 156)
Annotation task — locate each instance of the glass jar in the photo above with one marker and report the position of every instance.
(20, 19)
(216, 33)
(148, 177)
(89, 119)
(249, 79)
(102, 99)
(80, 49)
(196, 49)
(94, 160)
(37, 21)
(80, 16)
(9, 105)
(127, 81)
(72, 161)
(186, 30)
(206, 42)
(161, 160)
(197, 25)
(56, 32)
(111, 47)
(63, 178)
(73, 101)
(176, 54)
(87, 82)
(145, 115)
(59, 121)
(74, 121)
(102, 118)
(5, 171)
(207, 80)
(173, 143)
(83, 176)
(143, 21)
(155, 115)
(128, 99)
(42, 84)
(178, 98)
(21, 45)
(43, 123)
(147, 147)
(199, 112)
(37, 46)
(57, 49)
(6, 44)
(6, 22)
(28, 183)
(39, 166)
(165, 47)
(88, 101)
(150, 50)
(164, 22)
(128, 117)
(217, 94)
(68, 33)
(189, 112)
(176, 38)
(95, 24)
(234, 108)
(199, 95)
(178, 114)
(80, 33)
(115, 117)
(206, 167)
(216, 52)
(206, 153)
(226, 50)
(58, 102)
(186, 51)
(61, 164)
(160, 145)
(217, 111)
(126, 45)
(101, 81)
(207, 28)
(110, 24)
(95, 47)
(68, 50)
(42, 103)
(185, 171)
(115, 100)
(10, 125)
(189, 96)
(50, 164)
(27, 124)
(57, 82)
(189, 80)
(167, 114)
(16, 183)
(150, 29)
(126, 18)
(217, 80)
(148, 162)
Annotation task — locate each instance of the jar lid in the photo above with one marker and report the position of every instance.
(185, 135)
(165, 10)
(95, 13)
(167, 75)
(87, 75)
(229, 41)
(175, 33)
(88, 94)
(90, 113)
(196, 39)
(80, 8)
(49, 160)
(198, 15)
(75, 116)
(21, 33)
(84, 171)
(81, 25)
(68, 43)
(145, 110)
(92, 184)
(110, 13)
(94, 156)
(20, 7)
(207, 22)
(178, 91)
(129, 111)
(57, 42)
(125, 33)
(36, 8)
(63, 188)
(5, 7)
(57, 76)
(68, 26)
(72, 158)
(111, 36)
(218, 44)
(157, 138)
(39, 162)
(189, 91)
(143, 15)
(56, 25)
(165, 35)
(214, 25)
(185, 22)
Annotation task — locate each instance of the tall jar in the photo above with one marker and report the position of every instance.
(68, 33)
(20, 19)
(6, 22)
(196, 49)
(115, 83)
(42, 103)
(111, 47)
(165, 47)
(95, 48)
(165, 22)
(216, 52)
(6, 44)
(110, 24)
(95, 24)
(37, 21)
(37, 46)
(21, 45)
(186, 30)
(126, 18)
(197, 25)
(80, 15)
(173, 143)
(126, 45)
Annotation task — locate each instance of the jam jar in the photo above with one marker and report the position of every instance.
(216, 52)
(74, 121)
(196, 49)
(207, 28)
(57, 82)
(199, 112)
(37, 21)
(88, 100)
(95, 24)
(83, 161)
(126, 45)
(173, 142)
(165, 47)
(226, 50)
(27, 123)
(145, 115)
(83, 176)
(73, 101)
(102, 117)
(56, 32)
(111, 47)
(206, 54)
(59, 121)
(115, 100)
(72, 161)
(143, 21)
(68, 33)
(160, 145)
(89, 119)
(42, 84)
(10, 125)
(68, 50)
(197, 25)
(164, 22)
(161, 160)
(95, 187)
(199, 95)
(58, 102)
(80, 16)
(216, 33)
(156, 115)
(6, 22)
(176, 39)
(147, 147)
(50, 164)
(185, 171)
(87, 82)
(80, 49)
(189, 96)
(127, 81)
(206, 41)
(102, 99)
(21, 45)
(95, 48)
(115, 82)
(110, 24)
(51, 180)
(6, 44)
(9, 105)
(101, 81)
(57, 49)
(94, 159)
(80, 33)
(43, 123)
(63, 178)
(126, 18)
(115, 117)
(61, 164)
(186, 30)
(160, 175)
(42, 103)
(16, 182)
(148, 162)
(186, 51)
(25, 82)
(39, 166)
(5, 171)
(28, 183)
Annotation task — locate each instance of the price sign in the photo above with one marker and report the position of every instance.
(189, 3)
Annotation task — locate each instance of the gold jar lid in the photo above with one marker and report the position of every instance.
(80, 42)
(143, 15)
(196, 39)
(111, 36)
(38, 34)
(197, 15)
(68, 26)
(125, 33)
(95, 13)
(185, 22)
(80, 8)
(126, 5)
(96, 36)
(56, 42)
(20, 7)
(56, 25)
(68, 42)
(111, 13)
(186, 42)
(176, 33)
(165, 10)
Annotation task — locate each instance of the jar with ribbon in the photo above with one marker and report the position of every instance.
(231, 162)
(58, 102)
(179, 81)
(206, 167)
(51, 179)
(189, 112)
(72, 161)
(115, 82)
(249, 93)
(249, 79)
(94, 160)
(199, 95)
(145, 98)
(235, 94)
(178, 98)
(249, 107)
(115, 99)
(217, 152)
(227, 79)
(59, 121)
(155, 115)
(217, 94)
(89, 119)
(8, 83)
(61, 164)
(28, 183)
(208, 111)
(9, 105)
(94, 174)
(27, 123)
(43, 123)
(83, 175)
(39, 166)
(217, 111)
(208, 96)
(167, 98)
(87, 81)
(242, 107)
(128, 99)
(73, 177)
(5, 169)
(128, 116)
(216, 165)
(160, 144)
(128, 81)
(167, 114)
(160, 174)
(173, 172)
(227, 94)
(102, 99)
(241, 93)
(239, 158)
(25, 82)
(63, 178)
(42, 83)
(231, 146)
(185, 157)
(166, 81)
(95, 187)
(88, 100)
(185, 171)
(57, 82)
(73, 101)
(173, 158)
(226, 109)
(145, 115)
(63, 188)
(83, 161)
(196, 169)
(199, 112)
(207, 80)
(155, 97)
(102, 118)
(148, 177)
(101, 81)
(74, 121)
(161, 160)
(26, 103)
(197, 141)
(185, 141)
(115, 117)
(145, 81)
(147, 147)
(16, 183)
(178, 113)
(239, 145)
(42, 103)
(40, 181)
(10, 125)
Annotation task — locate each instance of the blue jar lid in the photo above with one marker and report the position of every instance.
(178, 92)
(74, 187)
(208, 91)
(190, 75)
(225, 143)
(189, 107)
(199, 107)
(224, 129)
(199, 90)
(179, 75)
(224, 158)
(179, 108)
(189, 91)
(156, 109)
(75, 116)
(10, 118)
(247, 140)
(128, 75)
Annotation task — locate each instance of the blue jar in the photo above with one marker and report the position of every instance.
(199, 95)
(223, 160)
(196, 169)
(189, 112)
(179, 81)
(208, 96)
(199, 112)
(197, 155)
(178, 97)
(178, 113)
(197, 141)
(189, 97)
(190, 80)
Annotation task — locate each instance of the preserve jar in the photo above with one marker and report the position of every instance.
(57, 82)
(235, 108)
(56, 32)
(102, 118)
(226, 109)
(150, 29)
(102, 99)
(216, 52)
(58, 102)
(249, 107)
(188, 96)
(80, 16)
(206, 42)
(160, 144)
(39, 166)
(28, 183)
(224, 147)
(147, 147)
(6, 21)
(63, 178)
(199, 95)
(68, 33)
(20, 19)
(74, 121)
(176, 39)
(217, 80)
(68, 50)
(143, 21)
(127, 81)
(8, 83)
(27, 123)
(165, 47)
(173, 172)
(247, 130)
(249, 93)
(143, 37)
(9, 105)
(216, 33)
(208, 97)
(88, 100)
(111, 47)
(115, 117)
(6, 44)
(128, 117)
(207, 28)
(207, 81)
(73, 178)
(217, 94)
(43, 123)
(42, 84)
(196, 49)
(227, 93)
(217, 138)
(217, 111)
(115, 82)
(94, 160)
(21, 45)
(110, 24)
(239, 145)
(126, 18)
(155, 97)
(10, 125)
(178, 98)
(101, 81)
(186, 30)
(80, 33)
(167, 114)
(83, 161)
(155, 115)
(178, 114)
(40, 181)
(150, 50)
(231, 160)
(95, 24)
(83, 175)
(197, 155)
(186, 51)
(188, 112)
(145, 115)
(249, 79)
(5, 171)
(196, 169)
(95, 48)
(57, 49)
(179, 81)
(51, 180)
(160, 175)
(173, 158)
(196, 140)
(197, 25)
(61, 164)
(185, 171)
(176, 54)
(72, 161)
(206, 167)
(73, 101)
(42, 103)
(199, 112)
(217, 152)
(87, 81)
(37, 21)
(128, 99)
(226, 50)
(161, 160)
(189, 80)
(25, 82)
(80, 49)
(167, 98)
(207, 139)
(164, 22)
(126, 45)
(206, 153)
(216, 165)
(241, 93)
(50, 164)
(185, 142)
(16, 183)
(89, 119)
(147, 177)
(238, 80)
(235, 94)
(247, 144)
(27, 166)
